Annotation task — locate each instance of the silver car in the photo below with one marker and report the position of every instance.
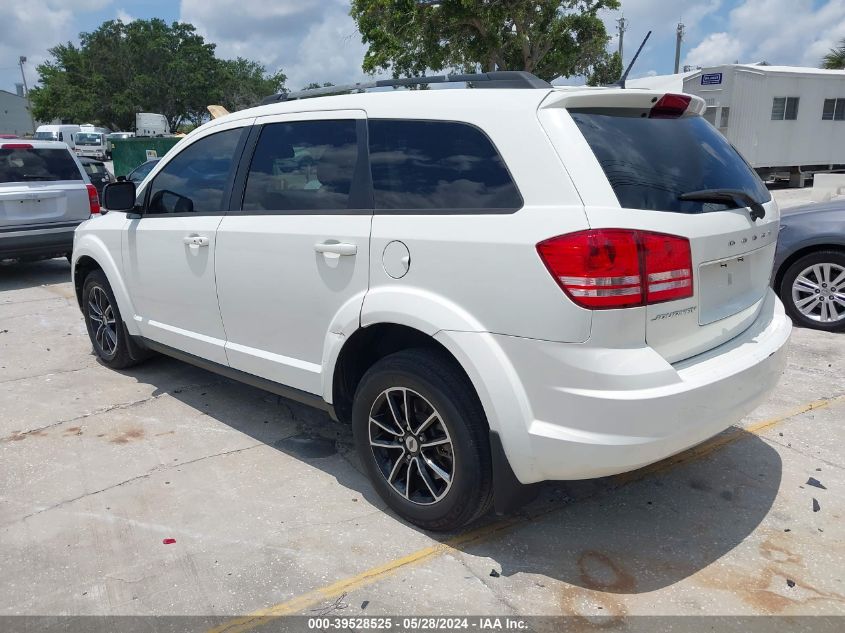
(44, 195)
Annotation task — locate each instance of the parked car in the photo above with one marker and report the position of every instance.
(138, 174)
(97, 173)
(57, 132)
(44, 195)
(810, 265)
(493, 288)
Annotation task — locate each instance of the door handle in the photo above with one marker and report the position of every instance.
(336, 248)
(195, 241)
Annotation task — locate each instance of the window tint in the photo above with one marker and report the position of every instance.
(302, 166)
(437, 165)
(194, 181)
(651, 162)
(31, 165)
(92, 169)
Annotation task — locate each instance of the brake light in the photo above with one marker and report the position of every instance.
(619, 268)
(670, 106)
(93, 199)
(16, 146)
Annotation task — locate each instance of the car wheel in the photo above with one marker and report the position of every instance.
(813, 291)
(422, 436)
(109, 338)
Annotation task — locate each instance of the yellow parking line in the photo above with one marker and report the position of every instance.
(332, 591)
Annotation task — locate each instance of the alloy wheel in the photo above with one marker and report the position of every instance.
(103, 322)
(818, 293)
(411, 445)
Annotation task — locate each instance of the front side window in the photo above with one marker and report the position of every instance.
(438, 166)
(195, 180)
(303, 166)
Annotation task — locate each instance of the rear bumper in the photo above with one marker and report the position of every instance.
(575, 411)
(37, 242)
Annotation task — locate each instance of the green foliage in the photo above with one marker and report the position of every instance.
(144, 66)
(835, 59)
(550, 38)
(606, 71)
(243, 83)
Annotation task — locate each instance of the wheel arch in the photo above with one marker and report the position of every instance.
(89, 253)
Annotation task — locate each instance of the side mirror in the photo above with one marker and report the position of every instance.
(119, 196)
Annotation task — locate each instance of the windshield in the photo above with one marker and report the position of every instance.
(29, 165)
(46, 136)
(89, 138)
(650, 163)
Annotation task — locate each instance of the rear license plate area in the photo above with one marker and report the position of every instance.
(731, 285)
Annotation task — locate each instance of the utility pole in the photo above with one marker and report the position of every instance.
(21, 62)
(622, 26)
(680, 38)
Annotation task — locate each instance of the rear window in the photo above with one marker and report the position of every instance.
(94, 169)
(651, 162)
(28, 165)
(88, 138)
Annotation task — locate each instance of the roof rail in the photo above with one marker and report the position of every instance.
(498, 79)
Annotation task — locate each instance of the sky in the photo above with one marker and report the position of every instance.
(318, 41)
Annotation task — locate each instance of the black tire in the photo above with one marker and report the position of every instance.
(114, 347)
(831, 257)
(433, 380)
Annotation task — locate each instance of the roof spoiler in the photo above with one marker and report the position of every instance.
(502, 79)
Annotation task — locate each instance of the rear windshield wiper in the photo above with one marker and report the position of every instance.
(35, 177)
(758, 211)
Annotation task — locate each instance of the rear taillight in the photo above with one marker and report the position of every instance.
(619, 268)
(670, 106)
(93, 199)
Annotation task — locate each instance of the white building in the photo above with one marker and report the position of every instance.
(783, 119)
(14, 116)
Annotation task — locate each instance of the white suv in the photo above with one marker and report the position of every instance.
(495, 287)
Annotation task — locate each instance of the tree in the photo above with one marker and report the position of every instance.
(144, 66)
(606, 71)
(550, 38)
(243, 83)
(835, 59)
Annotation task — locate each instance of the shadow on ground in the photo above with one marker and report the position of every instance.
(15, 275)
(601, 535)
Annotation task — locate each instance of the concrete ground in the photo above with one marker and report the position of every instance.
(271, 514)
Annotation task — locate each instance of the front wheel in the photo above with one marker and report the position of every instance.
(813, 291)
(423, 438)
(109, 338)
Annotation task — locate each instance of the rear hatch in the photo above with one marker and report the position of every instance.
(40, 185)
(668, 171)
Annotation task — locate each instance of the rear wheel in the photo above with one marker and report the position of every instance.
(813, 291)
(422, 436)
(109, 338)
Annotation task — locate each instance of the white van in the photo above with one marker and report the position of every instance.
(91, 144)
(151, 124)
(63, 133)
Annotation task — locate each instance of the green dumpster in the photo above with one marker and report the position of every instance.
(130, 152)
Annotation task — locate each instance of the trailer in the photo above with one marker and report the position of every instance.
(787, 121)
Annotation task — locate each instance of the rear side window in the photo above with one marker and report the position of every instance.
(651, 162)
(438, 166)
(35, 164)
(303, 166)
(196, 179)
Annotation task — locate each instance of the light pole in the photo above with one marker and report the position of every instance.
(21, 62)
